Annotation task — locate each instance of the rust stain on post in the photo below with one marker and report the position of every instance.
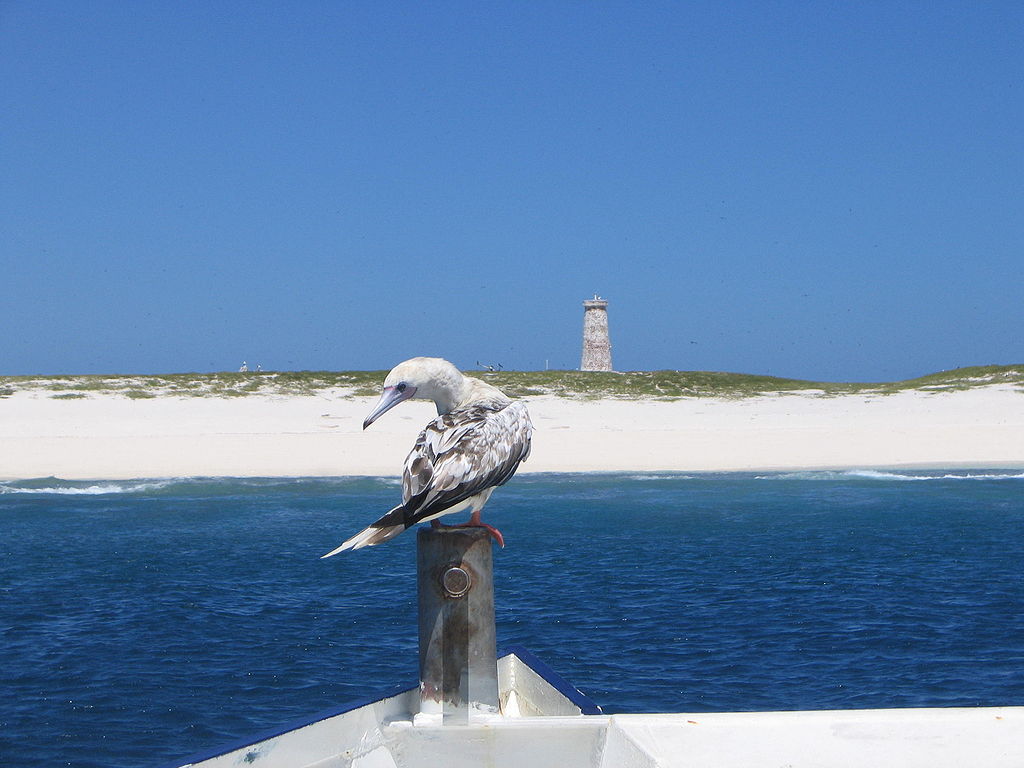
(458, 664)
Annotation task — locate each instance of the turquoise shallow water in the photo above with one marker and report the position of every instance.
(143, 621)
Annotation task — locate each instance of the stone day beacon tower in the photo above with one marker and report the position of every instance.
(597, 349)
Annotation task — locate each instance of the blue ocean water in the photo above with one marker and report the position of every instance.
(144, 621)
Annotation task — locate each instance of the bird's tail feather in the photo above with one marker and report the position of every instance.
(389, 526)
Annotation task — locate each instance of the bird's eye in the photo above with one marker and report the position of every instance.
(401, 387)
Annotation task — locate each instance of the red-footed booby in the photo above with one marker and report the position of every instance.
(474, 445)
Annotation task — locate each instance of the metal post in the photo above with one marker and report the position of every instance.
(458, 665)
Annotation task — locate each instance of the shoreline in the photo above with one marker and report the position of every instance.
(112, 437)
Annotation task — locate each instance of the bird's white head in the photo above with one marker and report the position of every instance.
(425, 378)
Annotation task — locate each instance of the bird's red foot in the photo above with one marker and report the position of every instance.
(495, 533)
(475, 522)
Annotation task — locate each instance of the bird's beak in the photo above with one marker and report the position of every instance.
(389, 398)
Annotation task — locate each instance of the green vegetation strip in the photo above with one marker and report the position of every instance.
(665, 385)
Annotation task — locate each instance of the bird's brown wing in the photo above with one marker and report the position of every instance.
(463, 453)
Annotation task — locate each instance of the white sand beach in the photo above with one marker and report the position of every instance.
(110, 436)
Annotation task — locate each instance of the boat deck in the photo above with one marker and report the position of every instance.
(546, 723)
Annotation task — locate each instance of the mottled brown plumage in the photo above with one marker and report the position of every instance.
(474, 445)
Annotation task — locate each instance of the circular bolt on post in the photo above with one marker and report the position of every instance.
(455, 581)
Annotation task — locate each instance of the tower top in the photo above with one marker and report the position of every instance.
(595, 303)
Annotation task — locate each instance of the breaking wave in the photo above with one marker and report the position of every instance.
(52, 486)
(236, 486)
(212, 486)
(669, 476)
(893, 476)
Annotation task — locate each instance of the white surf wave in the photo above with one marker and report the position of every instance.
(659, 477)
(875, 474)
(80, 489)
(217, 486)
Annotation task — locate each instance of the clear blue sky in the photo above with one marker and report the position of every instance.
(825, 190)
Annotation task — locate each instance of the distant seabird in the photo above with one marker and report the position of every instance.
(474, 445)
